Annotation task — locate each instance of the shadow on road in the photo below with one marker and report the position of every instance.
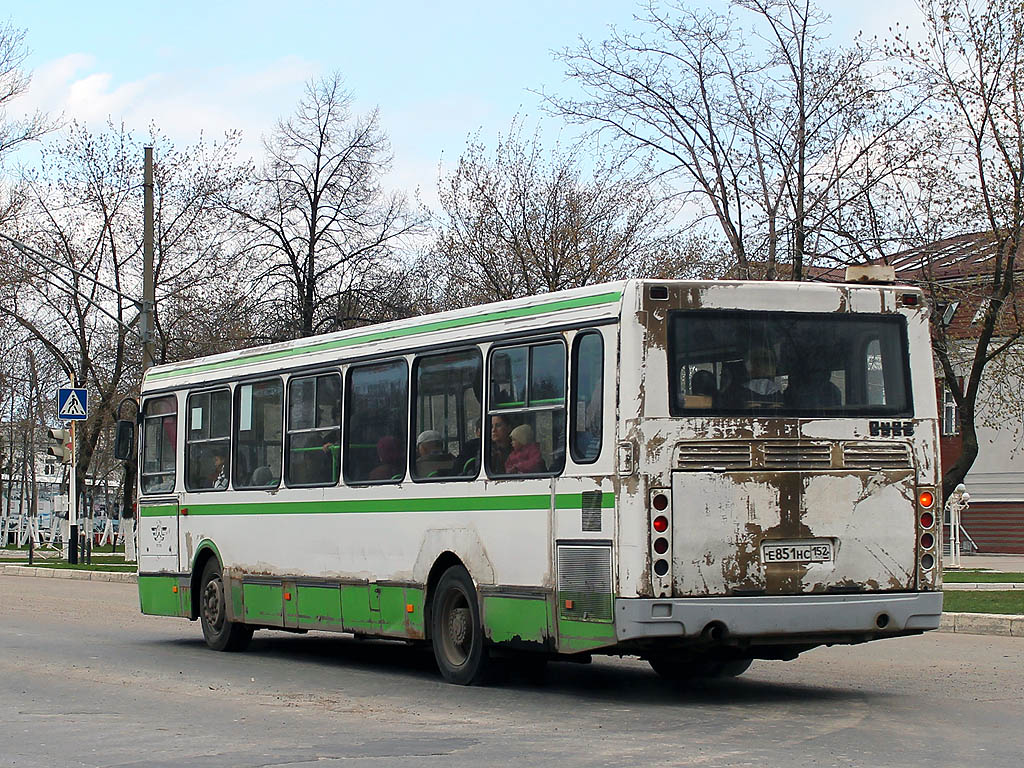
(607, 680)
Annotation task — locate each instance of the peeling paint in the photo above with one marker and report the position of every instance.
(868, 516)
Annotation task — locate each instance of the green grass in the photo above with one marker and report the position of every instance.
(984, 601)
(981, 577)
(64, 565)
(105, 549)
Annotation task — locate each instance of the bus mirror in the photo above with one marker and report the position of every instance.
(124, 440)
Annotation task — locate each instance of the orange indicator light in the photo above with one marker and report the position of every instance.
(174, 589)
(409, 608)
(568, 605)
(287, 595)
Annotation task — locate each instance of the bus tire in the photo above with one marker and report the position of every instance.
(219, 633)
(456, 632)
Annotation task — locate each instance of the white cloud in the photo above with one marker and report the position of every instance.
(182, 103)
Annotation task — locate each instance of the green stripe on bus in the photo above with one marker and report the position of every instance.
(160, 510)
(357, 506)
(438, 325)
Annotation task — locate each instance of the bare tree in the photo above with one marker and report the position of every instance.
(14, 81)
(318, 216)
(527, 221)
(775, 133)
(972, 62)
(72, 294)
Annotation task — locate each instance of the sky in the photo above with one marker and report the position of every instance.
(438, 71)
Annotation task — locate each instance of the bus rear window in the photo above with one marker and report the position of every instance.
(788, 364)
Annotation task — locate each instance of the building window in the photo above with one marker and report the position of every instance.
(950, 414)
(208, 441)
(526, 409)
(258, 434)
(159, 443)
(314, 429)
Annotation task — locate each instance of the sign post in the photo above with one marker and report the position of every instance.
(72, 405)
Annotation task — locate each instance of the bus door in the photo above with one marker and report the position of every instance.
(158, 535)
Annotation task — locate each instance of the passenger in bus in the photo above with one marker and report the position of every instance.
(501, 445)
(525, 458)
(468, 460)
(389, 452)
(812, 388)
(431, 458)
(219, 474)
(762, 373)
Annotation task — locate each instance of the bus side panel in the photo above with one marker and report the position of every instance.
(520, 622)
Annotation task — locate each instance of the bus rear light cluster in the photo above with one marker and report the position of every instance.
(661, 545)
(927, 538)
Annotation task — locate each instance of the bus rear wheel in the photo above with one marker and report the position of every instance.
(220, 633)
(694, 669)
(456, 632)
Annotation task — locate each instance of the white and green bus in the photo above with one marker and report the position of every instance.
(696, 473)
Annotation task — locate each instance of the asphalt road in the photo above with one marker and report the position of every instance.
(87, 681)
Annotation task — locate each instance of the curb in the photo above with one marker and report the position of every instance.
(994, 585)
(982, 624)
(68, 573)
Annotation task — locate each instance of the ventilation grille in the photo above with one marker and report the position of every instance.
(876, 456)
(585, 583)
(721, 456)
(591, 511)
(704, 455)
(797, 455)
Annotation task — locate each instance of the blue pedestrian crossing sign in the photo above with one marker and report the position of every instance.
(72, 404)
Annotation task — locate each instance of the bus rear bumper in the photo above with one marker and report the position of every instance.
(778, 616)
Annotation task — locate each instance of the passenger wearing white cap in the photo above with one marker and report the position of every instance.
(431, 458)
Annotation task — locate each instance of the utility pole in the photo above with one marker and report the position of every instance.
(73, 495)
(147, 319)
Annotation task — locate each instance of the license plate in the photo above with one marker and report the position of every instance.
(806, 551)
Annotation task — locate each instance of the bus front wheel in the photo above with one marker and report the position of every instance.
(456, 632)
(220, 633)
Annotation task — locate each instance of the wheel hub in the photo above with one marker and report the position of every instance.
(458, 625)
(213, 602)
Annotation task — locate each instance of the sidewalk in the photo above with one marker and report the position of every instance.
(1007, 563)
(69, 573)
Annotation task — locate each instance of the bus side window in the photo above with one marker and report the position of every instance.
(159, 444)
(208, 441)
(526, 410)
(587, 407)
(314, 430)
(447, 416)
(258, 434)
(376, 422)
